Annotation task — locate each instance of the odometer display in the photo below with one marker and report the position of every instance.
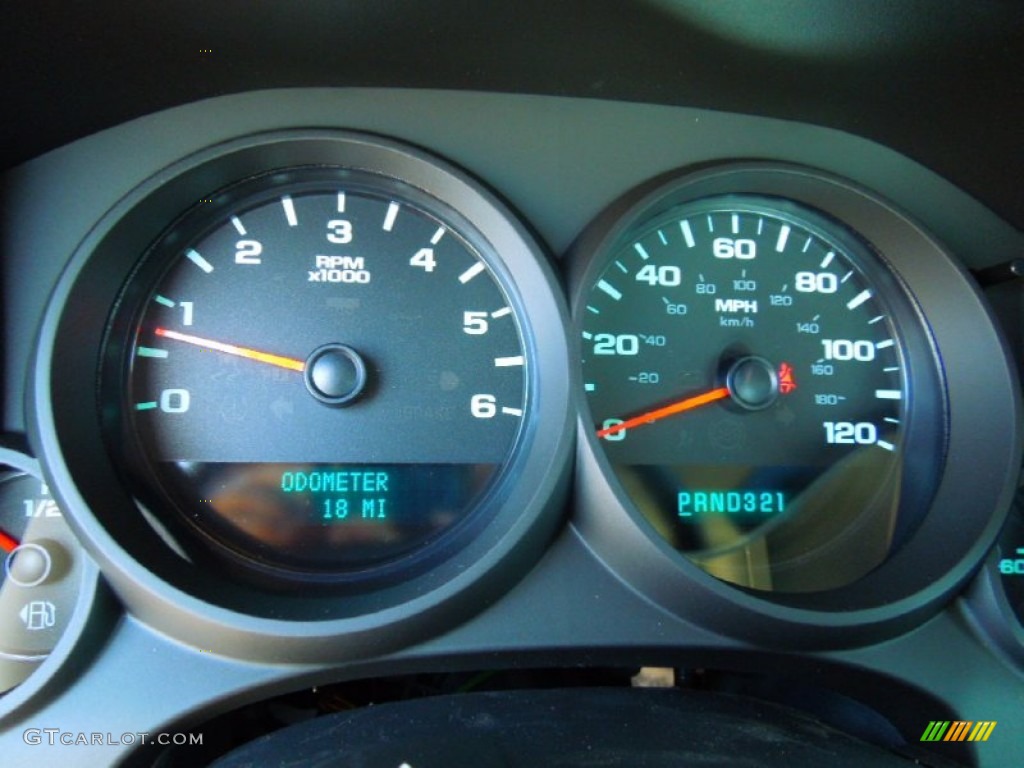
(744, 365)
(321, 372)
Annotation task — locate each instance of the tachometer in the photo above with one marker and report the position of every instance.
(325, 372)
(331, 384)
(747, 370)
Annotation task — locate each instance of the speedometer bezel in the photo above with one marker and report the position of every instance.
(922, 441)
(948, 545)
(155, 581)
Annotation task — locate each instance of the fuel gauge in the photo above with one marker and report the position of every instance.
(40, 578)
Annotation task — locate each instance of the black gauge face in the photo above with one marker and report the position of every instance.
(744, 364)
(40, 576)
(318, 371)
(1011, 561)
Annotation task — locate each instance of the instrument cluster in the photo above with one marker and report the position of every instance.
(319, 395)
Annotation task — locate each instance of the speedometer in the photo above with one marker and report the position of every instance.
(747, 370)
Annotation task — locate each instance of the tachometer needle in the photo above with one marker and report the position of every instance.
(679, 406)
(8, 543)
(231, 349)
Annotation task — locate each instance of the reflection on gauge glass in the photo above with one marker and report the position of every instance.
(41, 575)
(319, 372)
(753, 372)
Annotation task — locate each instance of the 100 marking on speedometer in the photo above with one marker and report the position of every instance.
(743, 368)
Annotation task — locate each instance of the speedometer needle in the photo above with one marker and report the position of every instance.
(679, 406)
(231, 349)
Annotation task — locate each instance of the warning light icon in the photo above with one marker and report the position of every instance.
(786, 381)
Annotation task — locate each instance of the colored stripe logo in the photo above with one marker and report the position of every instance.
(958, 730)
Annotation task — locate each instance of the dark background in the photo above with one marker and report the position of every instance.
(942, 82)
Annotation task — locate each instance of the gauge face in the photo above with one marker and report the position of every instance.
(40, 577)
(319, 371)
(1011, 561)
(744, 366)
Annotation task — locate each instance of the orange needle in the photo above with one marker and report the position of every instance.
(7, 543)
(669, 410)
(231, 349)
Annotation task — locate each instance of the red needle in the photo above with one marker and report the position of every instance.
(680, 406)
(231, 349)
(7, 543)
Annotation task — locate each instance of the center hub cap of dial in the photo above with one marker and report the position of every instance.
(335, 374)
(753, 383)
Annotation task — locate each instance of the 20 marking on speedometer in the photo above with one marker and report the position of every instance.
(751, 381)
